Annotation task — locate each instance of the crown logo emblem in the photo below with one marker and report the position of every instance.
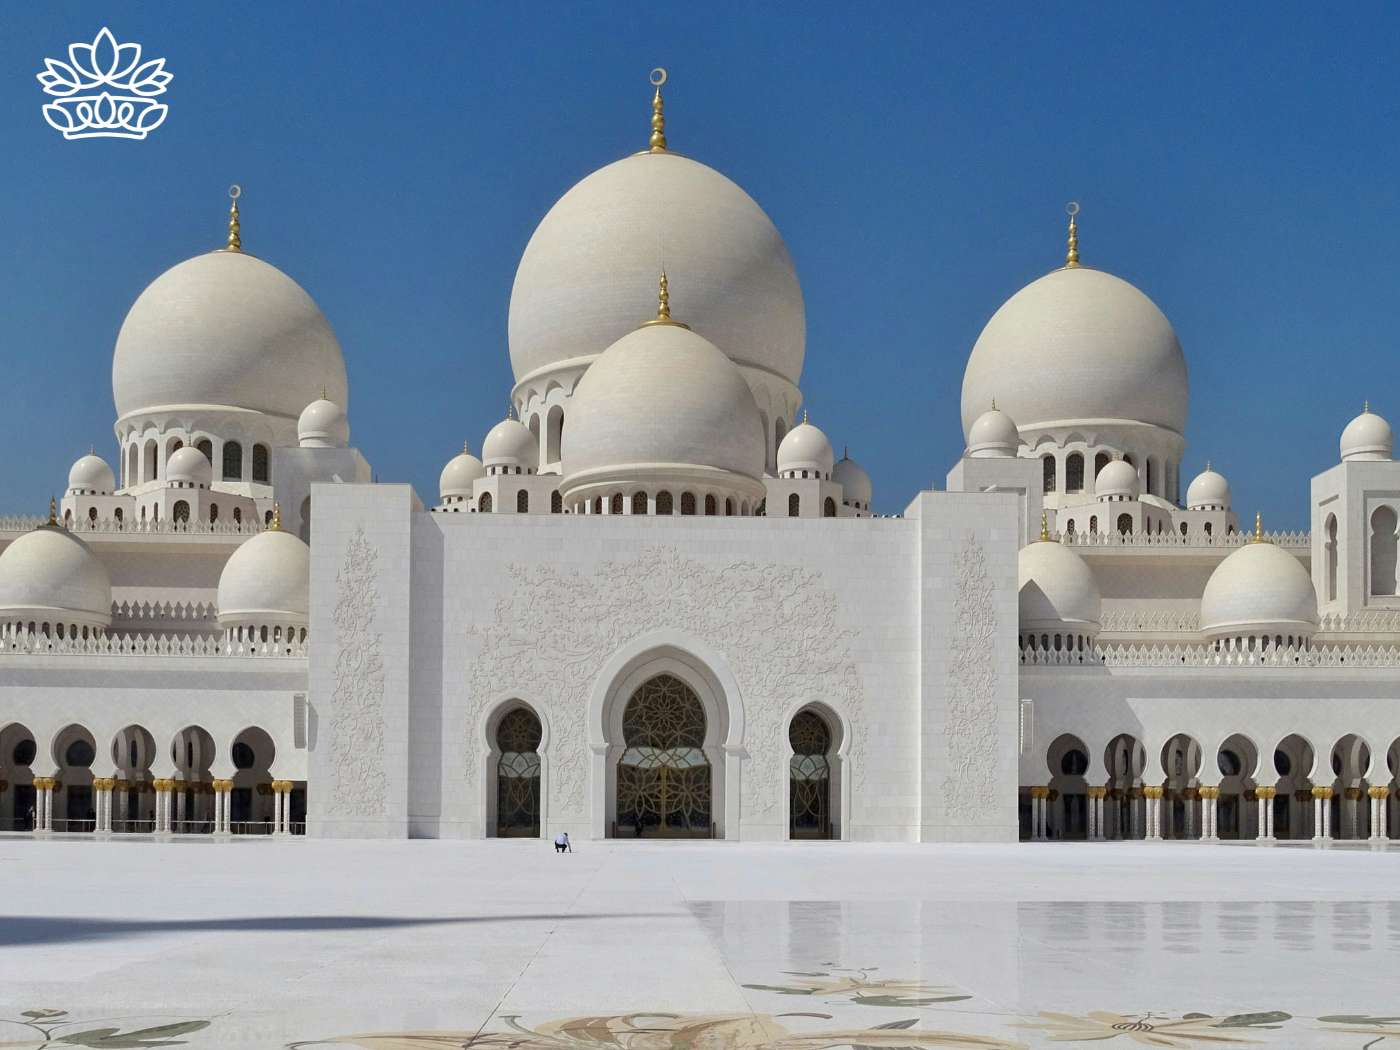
(104, 90)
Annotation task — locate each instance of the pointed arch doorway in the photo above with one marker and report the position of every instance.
(664, 776)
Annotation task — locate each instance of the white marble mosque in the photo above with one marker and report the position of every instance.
(657, 604)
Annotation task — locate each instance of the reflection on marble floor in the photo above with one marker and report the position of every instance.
(502, 946)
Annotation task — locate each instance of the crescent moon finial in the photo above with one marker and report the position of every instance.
(657, 142)
(235, 237)
(658, 76)
(1072, 251)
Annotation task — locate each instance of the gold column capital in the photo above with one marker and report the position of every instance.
(103, 783)
(162, 784)
(1379, 792)
(1209, 791)
(222, 786)
(1098, 792)
(282, 786)
(1152, 791)
(1324, 793)
(1040, 792)
(1266, 793)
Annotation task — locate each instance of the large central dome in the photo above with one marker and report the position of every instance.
(587, 275)
(1078, 345)
(226, 329)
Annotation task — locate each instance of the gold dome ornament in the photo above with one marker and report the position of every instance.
(275, 525)
(235, 240)
(1072, 249)
(1044, 527)
(657, 142)
(663, 306)
(1258, 536)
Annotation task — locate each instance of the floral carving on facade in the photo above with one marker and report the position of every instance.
(778, 626)
(970, 731)
(357, 711)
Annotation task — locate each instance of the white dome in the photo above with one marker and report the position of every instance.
(662, 398)
(322, 424)
(267, 580)
(510, 444)
(1057, 589)
(993, 434)
(806, 448)
(1367, 437)
(189, 466)
(587, 274)
(1208, 489)
(1074, 346)
(91, 474)
(225, 329)
(1259, 589)
(854, 482)
(457, 478)
(49, 575)
(1118, 478)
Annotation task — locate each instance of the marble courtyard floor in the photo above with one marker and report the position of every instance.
(695, 946)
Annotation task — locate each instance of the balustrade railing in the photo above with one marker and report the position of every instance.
(1205, 656)
(38, 644)
(1193, 538)
(19, 523)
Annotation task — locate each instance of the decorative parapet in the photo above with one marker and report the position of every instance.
(1206, 656)
(165, 613)
(1150, 621)
(1194, 538)
(19, 523)
(34, 644)
(1368, 621)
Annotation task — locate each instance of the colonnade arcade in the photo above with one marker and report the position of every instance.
(1342, 791)
(80, 785)
(666, 766)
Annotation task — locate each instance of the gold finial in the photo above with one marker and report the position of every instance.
(1072, 254)
(1258, 536)
(235, 242)
(467, 448)
(1044, 527)
(657, 142)
(663, 305)
(804, 416)
(1207, 464)
(275, 525)
(1366, 407)
(53, 511)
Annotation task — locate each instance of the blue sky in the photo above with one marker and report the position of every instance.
(1237, 162)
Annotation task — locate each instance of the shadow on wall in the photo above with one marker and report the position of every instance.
(42, 929)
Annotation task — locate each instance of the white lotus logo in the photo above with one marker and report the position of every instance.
(105, 90)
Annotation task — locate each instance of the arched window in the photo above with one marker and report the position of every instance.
(207, 447)
(132, 455)
(1383, 524)
(809, 777)
(117, 514)
(233, 461)
(794, 505)
(639, 503)
(554, 434)
(829, 508)
(1183, 530)
(213, 513)
(522, 502)
(1331, 557)
(92, 514)
(1074, 472)
(597, 505)
(484, 503)
(262, 464)
(710, 504)
(615, 504)
(1102, 460)
(556, 502)
(687, 503)
(1069, 528)
(152, 462)
(1151, 477)
(238, 515)
(1125, 524)
(518, 775)
(1207, 528)
(181, 511)
(1093, 524)
(68, 519)
(1048, 473)
(728, 507)
(663, 503)
(267, 518)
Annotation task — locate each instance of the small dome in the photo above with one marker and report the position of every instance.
(854, 482)
(806, 448)
(510, 444)
(1076, 346)
(1208, 490)
(663, 401)
(1260, 589)
(49, 575)
(322, 424)
(91, 474)
(188, 465)
(225, 329)
(267, 581)
(1118, 478)
(993, 434)
(1367, 437)
(457, 478)
(1057, 589)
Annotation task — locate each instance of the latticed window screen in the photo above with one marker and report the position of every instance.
(518, 774)
(809, 810)
(663, 777)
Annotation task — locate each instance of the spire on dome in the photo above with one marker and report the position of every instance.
(1044, 527)
(663, 306)
(657, 142)
(1072, 253)
(53, 511)
(804, 415)
(235, 241)
(275, 525)
(1258, 536)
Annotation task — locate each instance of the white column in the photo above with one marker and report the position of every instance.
(1318, 807)
(48, 806)
(1327, 814)
(1377, 814)
(1153, 807)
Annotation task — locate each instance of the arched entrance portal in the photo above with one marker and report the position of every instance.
(663, 775)
(518, 775)
(809, 777)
